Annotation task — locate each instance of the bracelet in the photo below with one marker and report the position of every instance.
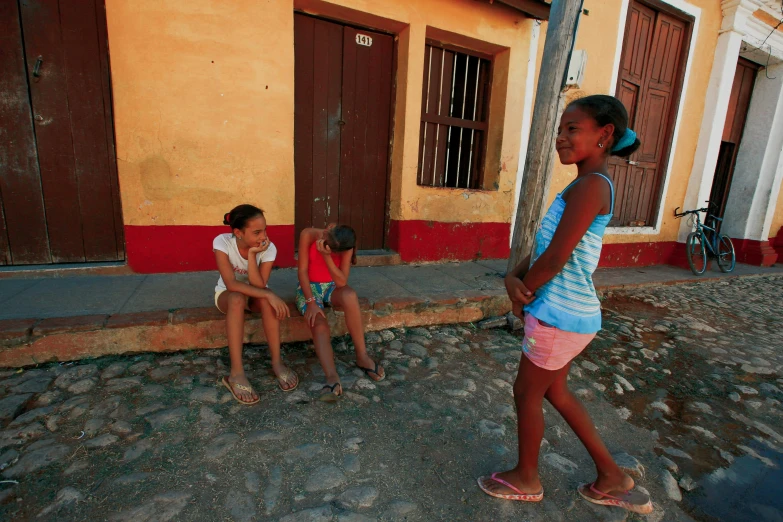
(311, 300)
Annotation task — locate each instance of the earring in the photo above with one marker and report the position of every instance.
(600, 145)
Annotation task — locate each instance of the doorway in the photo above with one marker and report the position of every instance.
(653, 60)
(733, 128)
(59, 195)
(343, 104)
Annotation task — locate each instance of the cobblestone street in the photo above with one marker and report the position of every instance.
(684, 383)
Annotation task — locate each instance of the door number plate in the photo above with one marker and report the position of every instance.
(363, 39)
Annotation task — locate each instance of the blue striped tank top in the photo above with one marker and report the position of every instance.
(569, 301)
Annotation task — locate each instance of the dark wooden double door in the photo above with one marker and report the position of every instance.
(649, 85)
(343, 97)
(59, 199)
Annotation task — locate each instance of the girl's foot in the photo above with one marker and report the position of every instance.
(331, 392)
(287, 379)
(499, 485)
(240, 388)
(611, 484)
(634, 501)
(370, 368)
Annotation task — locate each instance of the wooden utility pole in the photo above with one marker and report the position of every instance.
(560, 35)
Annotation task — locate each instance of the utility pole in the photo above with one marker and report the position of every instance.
(560, 36)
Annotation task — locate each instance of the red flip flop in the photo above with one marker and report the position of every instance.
(520, 496)
(634, 501)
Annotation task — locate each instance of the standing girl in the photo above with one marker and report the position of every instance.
(325, 259)
(562, 312)
(243, 286)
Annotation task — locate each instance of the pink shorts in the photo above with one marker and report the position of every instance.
(549, 347)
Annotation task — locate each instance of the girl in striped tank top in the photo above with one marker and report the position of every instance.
(552, 290)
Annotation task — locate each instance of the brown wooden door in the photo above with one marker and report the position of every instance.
(342, 121)
(649, 86)
(739, 103)
(62, 185)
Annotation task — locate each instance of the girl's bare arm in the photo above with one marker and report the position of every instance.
(581, 209)
(340, 274)
(305, 240)
(227, 273)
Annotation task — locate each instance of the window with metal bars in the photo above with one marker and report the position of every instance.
(455, 99)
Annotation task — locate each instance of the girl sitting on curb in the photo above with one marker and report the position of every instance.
(243, 286)
(325, 259)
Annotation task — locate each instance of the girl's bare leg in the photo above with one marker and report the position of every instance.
(234, 303)
(529, 389)
(272, 332)
(610, 477)
(347, 299)
(322, 341)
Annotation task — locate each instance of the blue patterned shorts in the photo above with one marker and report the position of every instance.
(321, 291)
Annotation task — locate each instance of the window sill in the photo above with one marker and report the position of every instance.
(626, 231)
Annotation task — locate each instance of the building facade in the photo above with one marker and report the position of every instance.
(131, 128)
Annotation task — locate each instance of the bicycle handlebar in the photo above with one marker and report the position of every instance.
(687, 212)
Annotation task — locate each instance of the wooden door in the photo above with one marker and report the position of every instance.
(649, 85)
(342, 115)
(55, 61)
(739, 103)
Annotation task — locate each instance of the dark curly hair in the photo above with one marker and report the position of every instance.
(342, 238)
(605, 110)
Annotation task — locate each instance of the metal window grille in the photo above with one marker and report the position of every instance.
(455, 98)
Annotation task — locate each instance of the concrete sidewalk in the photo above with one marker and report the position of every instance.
(61, 318)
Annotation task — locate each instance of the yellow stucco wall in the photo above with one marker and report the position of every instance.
(204, 104)
(203, 108)
(597, 35)
(777, 219)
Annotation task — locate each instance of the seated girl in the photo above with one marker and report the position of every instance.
(325, 259)
(243, 286)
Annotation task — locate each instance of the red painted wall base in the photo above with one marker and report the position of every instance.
(622, 255)
(419, 240)
(188, 248)
(752, 252)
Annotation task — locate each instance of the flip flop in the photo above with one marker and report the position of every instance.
(331, 395)
(523, 497)
(283, 378)
(634, 501)
(247, 389)
(368, 371)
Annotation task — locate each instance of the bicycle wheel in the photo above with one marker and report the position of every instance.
(697, 255)
(727, 260)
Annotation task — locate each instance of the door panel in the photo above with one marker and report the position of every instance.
(365, 135)
(49, 92)
(318, 85)
(648, 86)
(23, 237)
(88, 127)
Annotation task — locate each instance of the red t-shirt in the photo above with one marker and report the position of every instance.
(317, 271)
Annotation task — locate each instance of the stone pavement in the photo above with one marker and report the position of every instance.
(66, 318)
(684, 383)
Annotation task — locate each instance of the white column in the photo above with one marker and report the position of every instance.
(757, 175)
(724, 65)
(527, 109)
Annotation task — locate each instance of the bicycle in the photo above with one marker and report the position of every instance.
(719, 245)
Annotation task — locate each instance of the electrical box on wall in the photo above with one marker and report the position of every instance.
(576, 69)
